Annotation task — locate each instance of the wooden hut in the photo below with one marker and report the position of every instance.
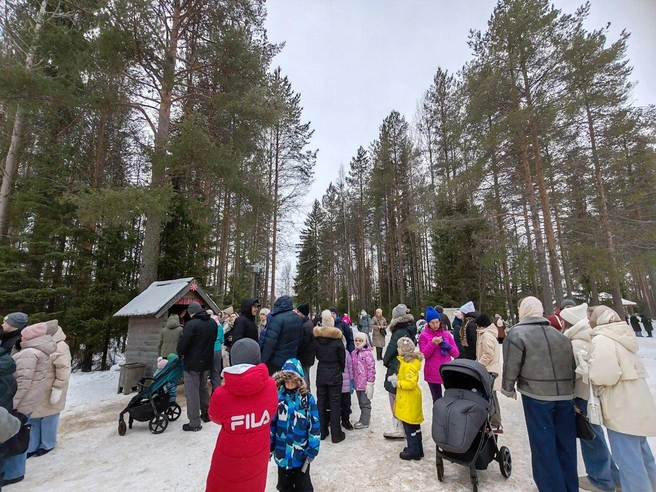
(149, 311)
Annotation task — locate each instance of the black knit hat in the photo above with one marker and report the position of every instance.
(304, 309)
(483, 320)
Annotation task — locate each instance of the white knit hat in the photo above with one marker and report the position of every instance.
(575, 314)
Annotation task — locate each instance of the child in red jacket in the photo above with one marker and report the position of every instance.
(244, 407)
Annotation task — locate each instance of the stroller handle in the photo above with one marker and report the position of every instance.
(494, 375)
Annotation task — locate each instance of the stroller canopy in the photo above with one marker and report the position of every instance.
(467, 374)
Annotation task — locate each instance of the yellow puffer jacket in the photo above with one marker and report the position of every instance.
(407, 407)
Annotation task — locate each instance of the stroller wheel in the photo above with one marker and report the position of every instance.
(122, 428)
(158, 423)
(173, 412)
(440, 469)
(505, 461)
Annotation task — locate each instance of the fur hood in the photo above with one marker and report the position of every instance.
(402, 320)
(327, 332)
(291, 371)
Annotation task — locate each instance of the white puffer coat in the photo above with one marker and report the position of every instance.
(59, 373)
(619, 377)
(32, 367)
(580, 336)
(488, 352)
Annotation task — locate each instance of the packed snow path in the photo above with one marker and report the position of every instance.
(92, 457)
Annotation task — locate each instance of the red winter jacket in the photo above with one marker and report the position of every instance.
(243, 407)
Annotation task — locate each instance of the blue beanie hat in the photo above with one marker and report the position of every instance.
(431, 314)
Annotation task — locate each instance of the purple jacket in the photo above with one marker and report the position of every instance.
(347, 375)
(433, 354)
(364, 367)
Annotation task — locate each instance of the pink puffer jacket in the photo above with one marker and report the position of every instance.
(364, 367)
(433, 353)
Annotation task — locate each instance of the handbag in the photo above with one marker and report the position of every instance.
(19, 443)
(594, 408)
(383, 331)
(583, 428)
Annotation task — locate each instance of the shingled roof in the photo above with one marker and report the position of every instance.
(160, 296)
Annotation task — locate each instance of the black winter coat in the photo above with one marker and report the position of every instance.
(330, 354)
(283, 333)
(9, 339)
(196, 343)
(404, 327)
(306, 348)
(8, 385)
(244, 326)
(469, 352)
(347, 332)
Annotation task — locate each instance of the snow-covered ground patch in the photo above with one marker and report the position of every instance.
(92, 457)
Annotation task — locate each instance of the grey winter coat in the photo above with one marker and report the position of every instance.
(539, 360)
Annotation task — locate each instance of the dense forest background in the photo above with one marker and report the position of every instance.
(149, 140)
(530, 171)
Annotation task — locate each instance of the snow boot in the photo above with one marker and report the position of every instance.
(338, 438)
(360, 425)
(189, 428)
(347, 424)
(396, 432)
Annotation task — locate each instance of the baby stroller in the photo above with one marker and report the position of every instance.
(461, 421)
(151, 404)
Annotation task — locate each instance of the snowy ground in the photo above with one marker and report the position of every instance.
(91, 456)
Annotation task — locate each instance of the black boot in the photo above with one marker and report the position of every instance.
(346, 423)
(338, 438)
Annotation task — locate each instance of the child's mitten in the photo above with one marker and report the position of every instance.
(370, 390)
(393, 380)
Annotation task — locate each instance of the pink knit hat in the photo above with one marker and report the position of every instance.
(34, 331)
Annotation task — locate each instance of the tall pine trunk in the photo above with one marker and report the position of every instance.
(155, 216)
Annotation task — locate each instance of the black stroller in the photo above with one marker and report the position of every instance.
(461, 421)
(151, 404)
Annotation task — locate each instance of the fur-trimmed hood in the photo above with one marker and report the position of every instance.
(402, 321)
(291, 371)
(327, 332)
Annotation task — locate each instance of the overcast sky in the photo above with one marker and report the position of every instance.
(354, 61)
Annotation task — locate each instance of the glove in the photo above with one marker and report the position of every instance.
(352, 386)
(370, 391)
(445, 347)
(55, 396)
(393, 380)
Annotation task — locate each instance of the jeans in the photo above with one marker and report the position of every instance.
(198, 399)
(551, 427)
(634, 458)
(365, 407)
(15, 465)
(436, 391)
(599, 465)
(217, 367)
(44, 433)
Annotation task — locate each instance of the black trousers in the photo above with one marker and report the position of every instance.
(414, 439)
(329, 403)
(345, 401)
(379, 353)
(294, 479)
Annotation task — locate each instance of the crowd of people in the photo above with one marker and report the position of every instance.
(258, 363)
(35, 368)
